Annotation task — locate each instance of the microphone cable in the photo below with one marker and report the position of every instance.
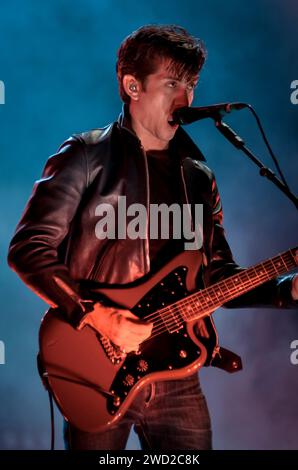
(250, 107)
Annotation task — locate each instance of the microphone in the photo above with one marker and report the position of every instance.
(187, 115)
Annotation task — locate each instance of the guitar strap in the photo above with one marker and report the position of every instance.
(227, 360)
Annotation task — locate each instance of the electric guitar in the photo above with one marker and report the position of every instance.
(93, 382)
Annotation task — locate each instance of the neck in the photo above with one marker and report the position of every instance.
(149, 142)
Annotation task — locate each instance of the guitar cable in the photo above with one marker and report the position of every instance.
(52, 420)
(46, 375)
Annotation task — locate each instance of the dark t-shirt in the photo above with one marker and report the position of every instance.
(165, 186)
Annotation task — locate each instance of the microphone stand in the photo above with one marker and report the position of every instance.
(239, 143)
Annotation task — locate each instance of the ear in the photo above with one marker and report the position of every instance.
(131, 86)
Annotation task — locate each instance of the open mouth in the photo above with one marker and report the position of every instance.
(172, 122)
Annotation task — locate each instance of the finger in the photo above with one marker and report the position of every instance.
(137, 334)
(128, 347)
(133, 318)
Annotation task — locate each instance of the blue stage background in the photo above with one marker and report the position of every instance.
(57, 62)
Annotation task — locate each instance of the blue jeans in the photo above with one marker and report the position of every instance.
(168, 415)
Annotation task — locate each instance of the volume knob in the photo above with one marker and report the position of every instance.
(129, 380)
(142, 365)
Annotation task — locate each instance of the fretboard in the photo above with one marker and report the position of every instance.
(207, 300)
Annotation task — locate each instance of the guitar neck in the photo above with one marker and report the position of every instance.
(207, 300)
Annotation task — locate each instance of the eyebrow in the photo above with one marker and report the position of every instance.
(194, 80)
(172, 78)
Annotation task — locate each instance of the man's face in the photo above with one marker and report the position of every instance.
(156, 103)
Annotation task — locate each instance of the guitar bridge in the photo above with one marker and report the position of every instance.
(112, 351)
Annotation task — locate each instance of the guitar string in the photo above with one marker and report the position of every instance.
(162, 324)
(215, 290)
(226, 281)
(170, 319)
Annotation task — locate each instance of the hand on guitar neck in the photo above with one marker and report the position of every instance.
(121, 326)
(294, 290)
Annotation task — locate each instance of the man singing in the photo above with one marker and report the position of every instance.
(149, 159)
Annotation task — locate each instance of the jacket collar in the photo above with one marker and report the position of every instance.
(181, 144)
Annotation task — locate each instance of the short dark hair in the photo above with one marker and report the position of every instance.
(141, 52)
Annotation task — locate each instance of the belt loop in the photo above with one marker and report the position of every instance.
(152, 394)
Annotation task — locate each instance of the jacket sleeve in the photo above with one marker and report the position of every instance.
(273, 293)
(34, 249)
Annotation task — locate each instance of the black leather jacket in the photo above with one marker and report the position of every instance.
(55, 246)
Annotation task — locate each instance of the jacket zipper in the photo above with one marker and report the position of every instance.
(146, 247)
(186, 197)
(98, 266)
